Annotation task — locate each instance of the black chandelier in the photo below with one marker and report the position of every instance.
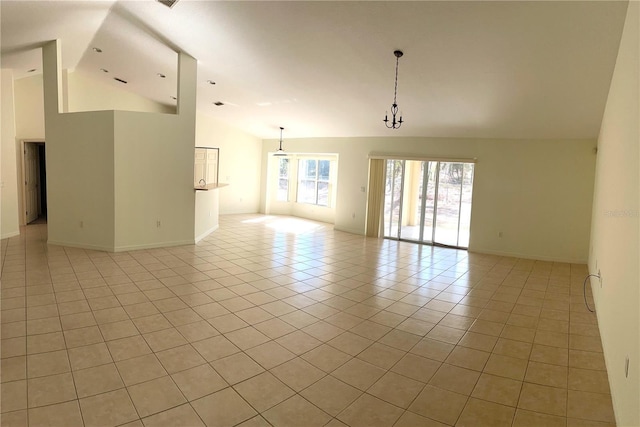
(395, 124)
(280, 151)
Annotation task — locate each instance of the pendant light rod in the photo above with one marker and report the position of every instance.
(395, 124)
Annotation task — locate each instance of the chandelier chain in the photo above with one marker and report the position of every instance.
(395, 89)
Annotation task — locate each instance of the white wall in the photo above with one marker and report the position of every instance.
(88, 94)
(80, 93)
(207, 212)
(240, 163)
(538, 193)
(615, 229)
(8, 181)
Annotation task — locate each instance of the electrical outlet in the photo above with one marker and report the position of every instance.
(600, 278)
(158, 223)
(626, 367)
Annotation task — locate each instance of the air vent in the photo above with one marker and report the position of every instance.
(218, 103)
(168, 3)
(119, 80)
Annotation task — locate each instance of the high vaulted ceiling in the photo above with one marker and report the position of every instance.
(506, 69)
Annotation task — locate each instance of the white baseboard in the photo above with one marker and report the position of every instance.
(527, 256)
(153, 245)
(206, 233)
(80, 245)
(349, 230)
(11, 234)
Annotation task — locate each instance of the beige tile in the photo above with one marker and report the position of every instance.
(199, 381)
(263, 391)
(227, 323)
(478, 341)
(296, 411)
(197, 331)
(455, 378)
(536, 419)
(506, 366)
(89, 356)
(575, 422)
(371, 330)
(246, 338)
(180, 358)
(155, 396)
(504, 391)
(359, 374)
(590, 406)
(440, 405)
(63, 414)
(298, 342)
(14, 395)
(14, 419)
(545, 374)
(409, 419)
(331, 395)
(512, 348)
(49, 390)
(13, 368)
(539, 398)
(270, 354)
(45, 342)
(164, 339)
(83, 336)
(13, 347)
(127, 348)
(236, 368)
(108, 409)
(115, 330)
(396, 389)
(97, 380)
(432, 349)
(482, 413)
(42, 364)
(215, 348)
(183, 415)
(399, 339)
(326, 358)
(584, 343)
(140, 369)
(416, 367)
(549, 354)
(224, 408)
(586, 360)
(588, 380)
(350, 343)
(468, 358)
(257, 421)
(78, 320)
(370, 411)
(297, 373)
(274, 328)
(150, 323)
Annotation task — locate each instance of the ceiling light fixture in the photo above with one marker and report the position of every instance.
(218, 103)
(168, 3)
(162, 76)
(120, 80)
(174, 98)
(104, 70)
(32, 70)
(394, 107)
(97, 50)
(280, 152)
(211, 82)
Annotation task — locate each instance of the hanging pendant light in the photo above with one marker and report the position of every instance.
(280, 151)
(395, 124)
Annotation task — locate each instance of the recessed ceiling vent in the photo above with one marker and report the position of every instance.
(168, 3)
(119, 80)
(218, 103)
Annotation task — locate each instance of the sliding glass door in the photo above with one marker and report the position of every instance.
(428, 201)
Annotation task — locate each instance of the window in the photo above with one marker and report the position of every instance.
(283, 180)
(313, 183)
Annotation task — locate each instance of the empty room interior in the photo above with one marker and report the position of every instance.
(320, 213)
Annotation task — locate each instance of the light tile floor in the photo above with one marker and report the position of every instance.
(285, 322)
